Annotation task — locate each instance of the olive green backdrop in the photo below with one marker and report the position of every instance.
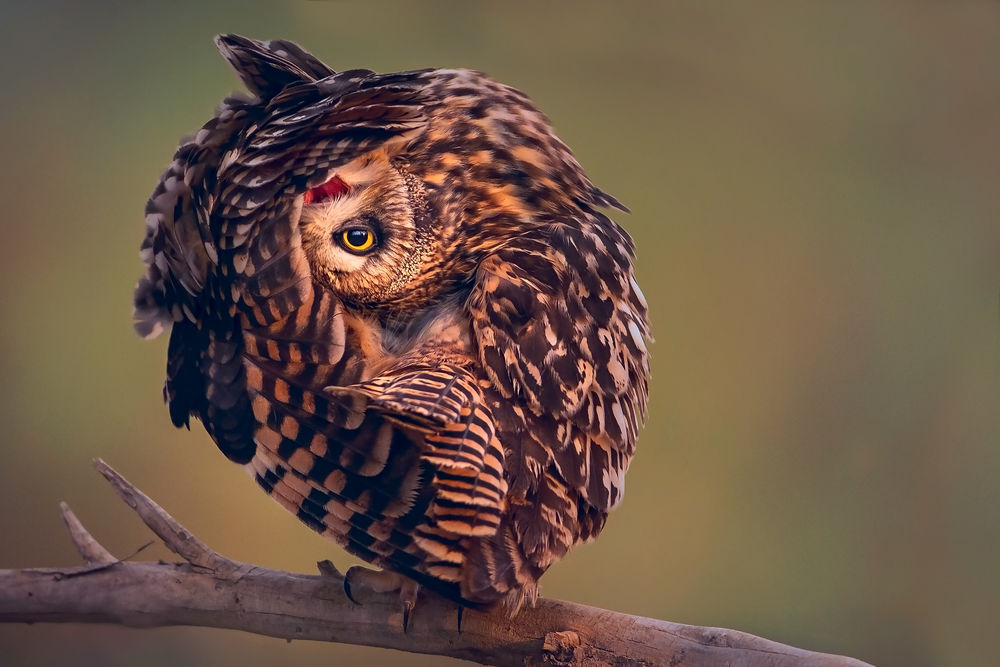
(816, 203)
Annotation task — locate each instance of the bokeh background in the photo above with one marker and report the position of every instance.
(816, 203)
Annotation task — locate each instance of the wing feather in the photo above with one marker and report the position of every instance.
(561, 327)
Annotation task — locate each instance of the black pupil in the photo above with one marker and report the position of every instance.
(357, 237)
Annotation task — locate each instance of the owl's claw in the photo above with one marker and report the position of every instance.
(407, 608)
(408, 596)
(384, 581)
(347, 588)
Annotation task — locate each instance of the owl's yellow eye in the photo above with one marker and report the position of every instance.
(357, 239)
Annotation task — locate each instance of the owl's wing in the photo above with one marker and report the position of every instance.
(222, 245)
(399, 470)
(446, 404)
(561, 325)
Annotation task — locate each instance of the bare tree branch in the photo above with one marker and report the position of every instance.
(176, 537)
(89, 548)
(212, 591)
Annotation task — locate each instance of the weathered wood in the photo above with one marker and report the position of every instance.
(212, 591)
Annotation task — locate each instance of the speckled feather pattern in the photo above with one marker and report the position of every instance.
(460, 403)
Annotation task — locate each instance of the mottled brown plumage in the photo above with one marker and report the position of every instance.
(395, 300)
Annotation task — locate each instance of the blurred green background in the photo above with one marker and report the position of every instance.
(816, 204)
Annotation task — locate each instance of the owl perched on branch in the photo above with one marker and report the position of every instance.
(395, 300)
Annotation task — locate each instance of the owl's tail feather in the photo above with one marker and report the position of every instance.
(498, 571)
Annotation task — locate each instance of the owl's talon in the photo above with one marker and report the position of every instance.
(461, 610)
(347, 589)
(384, 581)
(408, 590)
(407, 608)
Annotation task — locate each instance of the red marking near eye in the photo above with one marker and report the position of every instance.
(330, 190)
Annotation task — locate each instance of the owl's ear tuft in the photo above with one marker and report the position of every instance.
(268, 67)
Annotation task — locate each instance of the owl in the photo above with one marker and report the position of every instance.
(397, 302)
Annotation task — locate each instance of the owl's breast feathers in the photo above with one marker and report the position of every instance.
(467, 461)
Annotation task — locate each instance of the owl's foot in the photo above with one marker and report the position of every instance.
(383, 581)
(515, 599)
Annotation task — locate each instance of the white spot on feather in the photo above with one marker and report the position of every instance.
(616, 411)
(638, 292)
(228, 160)
(637, 335)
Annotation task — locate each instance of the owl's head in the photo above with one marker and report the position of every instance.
(368, 236)
(405, 181)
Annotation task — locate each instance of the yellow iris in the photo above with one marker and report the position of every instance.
(357, 240)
